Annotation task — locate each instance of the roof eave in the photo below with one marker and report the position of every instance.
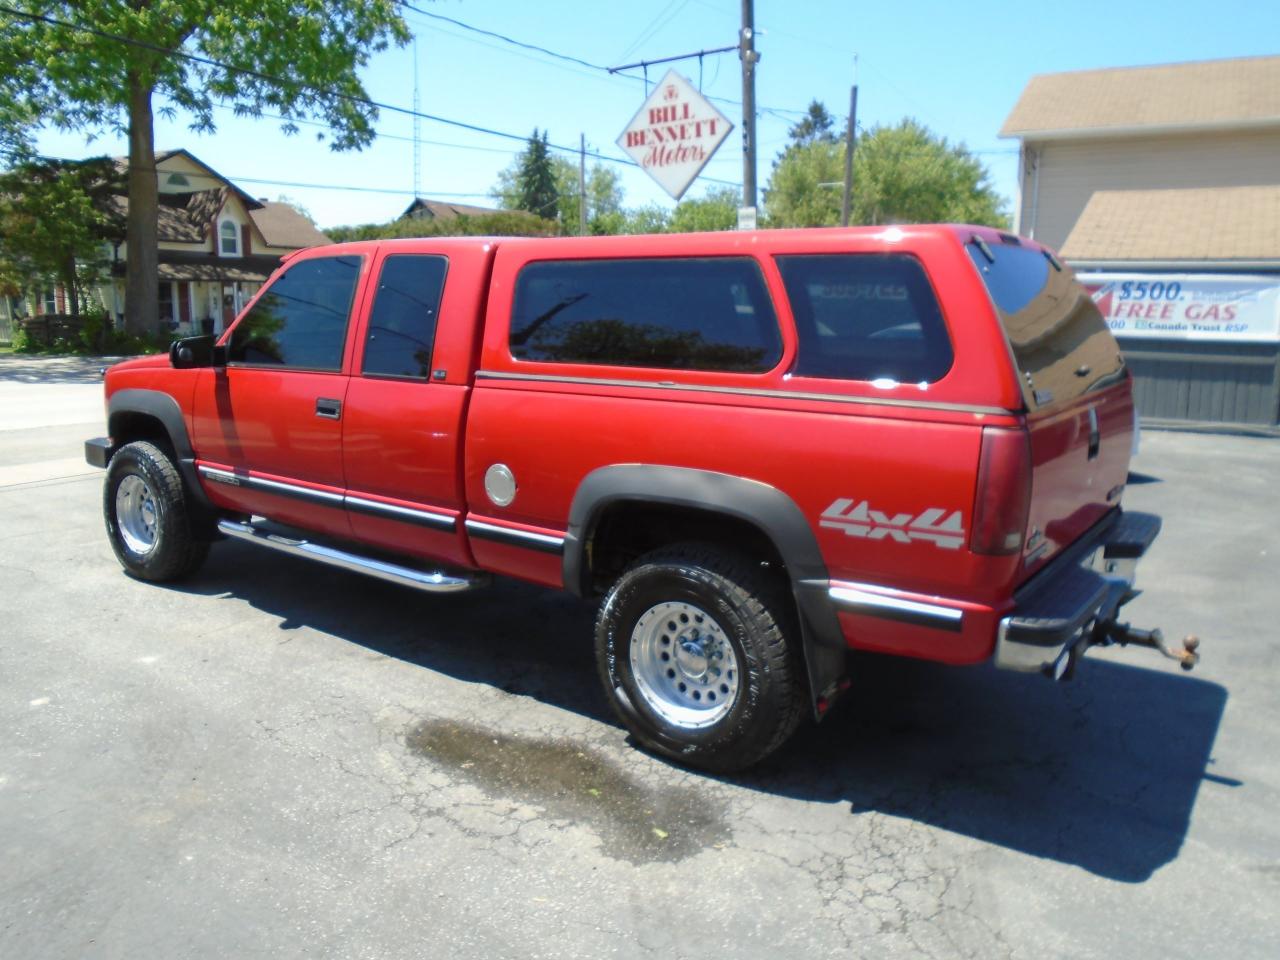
(1183, 266)
(1151, 129)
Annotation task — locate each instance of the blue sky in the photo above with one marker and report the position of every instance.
(958, 67)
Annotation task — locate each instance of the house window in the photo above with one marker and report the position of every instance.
(178, 180)
(229, 235)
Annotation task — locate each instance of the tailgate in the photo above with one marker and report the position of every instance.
(1077, 391)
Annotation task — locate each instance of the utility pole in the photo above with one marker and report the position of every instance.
(582, 184)
(851, 138)
(748, 55)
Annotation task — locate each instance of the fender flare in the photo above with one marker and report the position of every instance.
(766, 508)
(163, 408)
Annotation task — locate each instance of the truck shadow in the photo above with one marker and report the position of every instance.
(1102, 773)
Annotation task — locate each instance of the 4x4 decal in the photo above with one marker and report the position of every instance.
(859, 520)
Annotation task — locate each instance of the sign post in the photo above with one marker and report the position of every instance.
(674, 134)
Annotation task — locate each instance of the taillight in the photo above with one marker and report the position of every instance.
(1003, 499)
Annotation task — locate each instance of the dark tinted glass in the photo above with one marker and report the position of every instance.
(1060, 341)
(865, 317)
(696, 314)
(403, 322)
(301, 319)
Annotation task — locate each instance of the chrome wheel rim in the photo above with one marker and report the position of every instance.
(684, 665)
(136, 514)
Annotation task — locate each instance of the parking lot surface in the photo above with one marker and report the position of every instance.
(282, 760)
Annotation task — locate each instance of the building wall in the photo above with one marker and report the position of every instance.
(1071, 170)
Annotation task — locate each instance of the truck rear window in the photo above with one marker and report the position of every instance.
(686, 313)
(866, 317)
(1060, 341)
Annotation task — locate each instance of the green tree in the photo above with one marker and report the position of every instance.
(535, 179)
(651, 218)
(504, 223)
(718, 210)
(604, 191)
(795, 195)
(816, 125)
(901, 174)
(298, 58)
(56, 218)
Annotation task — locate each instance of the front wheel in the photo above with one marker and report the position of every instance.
(691, 643)
(148, 517)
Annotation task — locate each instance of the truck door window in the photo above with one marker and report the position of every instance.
(402, 325)
(301, 319)
(866, 317)
(686, 313)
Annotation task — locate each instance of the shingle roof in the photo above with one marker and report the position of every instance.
(182, 217)
(442, 210)
(1211, 223)
(283, 226)
(1208, 93)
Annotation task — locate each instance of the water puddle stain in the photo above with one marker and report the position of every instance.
(635, 822)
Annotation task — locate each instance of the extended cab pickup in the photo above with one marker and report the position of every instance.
(760, 450)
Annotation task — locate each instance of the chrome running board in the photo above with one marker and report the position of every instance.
(427, 581)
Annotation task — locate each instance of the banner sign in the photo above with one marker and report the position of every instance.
(675, 134)
(1188, 306)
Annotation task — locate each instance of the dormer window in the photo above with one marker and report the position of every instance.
(229, 238)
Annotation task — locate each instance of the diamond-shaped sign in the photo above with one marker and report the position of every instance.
(675, 134)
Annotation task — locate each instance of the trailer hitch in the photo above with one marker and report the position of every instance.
(1107, 632)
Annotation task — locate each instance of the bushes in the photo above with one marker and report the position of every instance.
(86, 335)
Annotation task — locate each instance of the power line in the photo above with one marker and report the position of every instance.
(568, 58)
(337, 94)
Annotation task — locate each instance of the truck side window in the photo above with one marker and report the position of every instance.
(866, 317)
(402, 325)
(687, 313)
(301, 319)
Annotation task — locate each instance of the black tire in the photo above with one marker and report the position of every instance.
(160, 509)
(748, 611)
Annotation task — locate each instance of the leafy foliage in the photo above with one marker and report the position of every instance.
(718, 210)
(902, 174)
(816, 126)
(296, 58)
(507, 223)
(56, 218)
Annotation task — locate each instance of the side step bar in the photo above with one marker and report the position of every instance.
(427, 581)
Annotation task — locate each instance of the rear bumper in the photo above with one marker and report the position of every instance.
(1056, 609)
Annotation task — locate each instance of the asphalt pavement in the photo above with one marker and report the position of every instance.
(282, 760)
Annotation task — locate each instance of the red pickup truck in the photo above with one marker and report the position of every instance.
(759, 449)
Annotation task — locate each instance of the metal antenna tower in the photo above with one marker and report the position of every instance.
(417, 127)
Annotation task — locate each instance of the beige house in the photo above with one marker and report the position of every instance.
(1148, 162)
(1161, 186)
(217, 245)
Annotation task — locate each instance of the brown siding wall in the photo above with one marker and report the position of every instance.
(1071, 170)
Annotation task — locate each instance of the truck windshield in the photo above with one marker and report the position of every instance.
(1060, 341)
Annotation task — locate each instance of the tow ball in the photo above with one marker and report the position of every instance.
(1108, 632)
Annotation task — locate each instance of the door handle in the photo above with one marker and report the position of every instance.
(1095, 437)
(328, 409)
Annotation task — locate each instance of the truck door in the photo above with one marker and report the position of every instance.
(402, 429)
(268, 427)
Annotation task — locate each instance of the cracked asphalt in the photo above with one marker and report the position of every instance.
(281, 760)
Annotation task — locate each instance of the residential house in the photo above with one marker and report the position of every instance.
(1161, 184)
(217, 245)
(423, 208)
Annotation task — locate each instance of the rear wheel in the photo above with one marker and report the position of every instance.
(691, 643)
(148, 517)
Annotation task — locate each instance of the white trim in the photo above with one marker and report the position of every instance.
(1178, 266)
(1153, 130)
